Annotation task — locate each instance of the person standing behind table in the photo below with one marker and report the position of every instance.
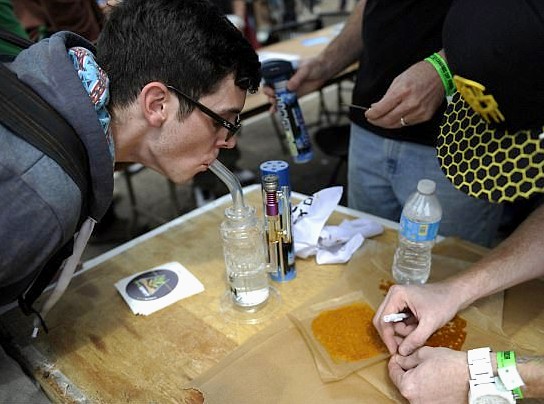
(140, 99)
(392, 144)
(491, 146)
(10, 23)
(41, 18)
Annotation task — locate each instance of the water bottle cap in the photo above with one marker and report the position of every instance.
(426, 187)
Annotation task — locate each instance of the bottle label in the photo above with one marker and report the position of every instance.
(298, 140)
(417, 232)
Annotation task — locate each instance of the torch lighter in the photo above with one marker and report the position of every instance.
(275, 178)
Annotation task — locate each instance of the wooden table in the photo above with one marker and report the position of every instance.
(97, 349)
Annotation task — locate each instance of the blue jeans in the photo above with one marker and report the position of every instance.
(382, 173)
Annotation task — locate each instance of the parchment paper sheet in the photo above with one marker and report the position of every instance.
(329, 369)
(276, 365)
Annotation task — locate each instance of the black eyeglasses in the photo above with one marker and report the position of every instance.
(233, 128)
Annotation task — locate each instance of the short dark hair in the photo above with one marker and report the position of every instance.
(189, 44)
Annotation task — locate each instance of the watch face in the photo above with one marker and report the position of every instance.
(491, 399)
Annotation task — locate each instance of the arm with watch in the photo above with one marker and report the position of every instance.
(432, 375)
(425, 374)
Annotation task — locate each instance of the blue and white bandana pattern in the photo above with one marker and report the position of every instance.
(96, 83)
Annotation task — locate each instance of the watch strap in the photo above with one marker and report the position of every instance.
(482, 382)
(479, 366)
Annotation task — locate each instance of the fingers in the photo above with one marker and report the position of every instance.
(269, 91)
(399, 116)
(394, 302)
(408, 362)
(413, 97)
(271, 95)
(393, 334)
(389, 338)
(301, 75)
(403, 329)
(296, 80)
(309, 76)
(393, 106)
(396, 372)
(386, 330)
(386, 106)
(416, 338)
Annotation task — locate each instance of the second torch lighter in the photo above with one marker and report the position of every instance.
(277, 214)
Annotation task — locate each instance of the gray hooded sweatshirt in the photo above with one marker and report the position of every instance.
(39, 202)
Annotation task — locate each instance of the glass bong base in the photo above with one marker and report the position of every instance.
(253, 314)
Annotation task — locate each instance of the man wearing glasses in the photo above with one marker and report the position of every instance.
(233, 128)
(164, 87)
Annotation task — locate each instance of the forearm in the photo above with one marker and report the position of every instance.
(531, 370)
(239, 8)
(517, 259)
(346, 48)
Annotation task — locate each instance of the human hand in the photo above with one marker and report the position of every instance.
(431, 375)
(413, 97)
(108, 5)
(309, 76)
(432, 305)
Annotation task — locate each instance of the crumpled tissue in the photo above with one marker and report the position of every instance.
(330, 244)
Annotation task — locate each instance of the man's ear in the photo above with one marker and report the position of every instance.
(153, 100)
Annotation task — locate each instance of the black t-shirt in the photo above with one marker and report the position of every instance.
(224, 5)
(397, 34)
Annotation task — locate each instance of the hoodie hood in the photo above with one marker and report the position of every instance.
(47, 69)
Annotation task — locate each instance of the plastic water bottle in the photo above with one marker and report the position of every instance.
(419, 224)
(276, 73)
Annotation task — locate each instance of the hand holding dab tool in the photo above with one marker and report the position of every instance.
(395, 317)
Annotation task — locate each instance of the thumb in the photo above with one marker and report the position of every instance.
(407, 362)
(414, 340)
(297, 78)
(384, 106)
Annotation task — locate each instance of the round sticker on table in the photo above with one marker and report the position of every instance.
(152, 285)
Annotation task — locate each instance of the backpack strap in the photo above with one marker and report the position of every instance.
(14, 39)
(28, 116)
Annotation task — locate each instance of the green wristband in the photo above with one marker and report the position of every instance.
(508, 373)
(518, 395)
(443, 71)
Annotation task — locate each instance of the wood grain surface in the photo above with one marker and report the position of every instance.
(98, 351)
(111, 355)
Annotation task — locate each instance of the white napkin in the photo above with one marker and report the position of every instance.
(330, 244)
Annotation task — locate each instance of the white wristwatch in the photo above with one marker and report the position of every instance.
(484, 388)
